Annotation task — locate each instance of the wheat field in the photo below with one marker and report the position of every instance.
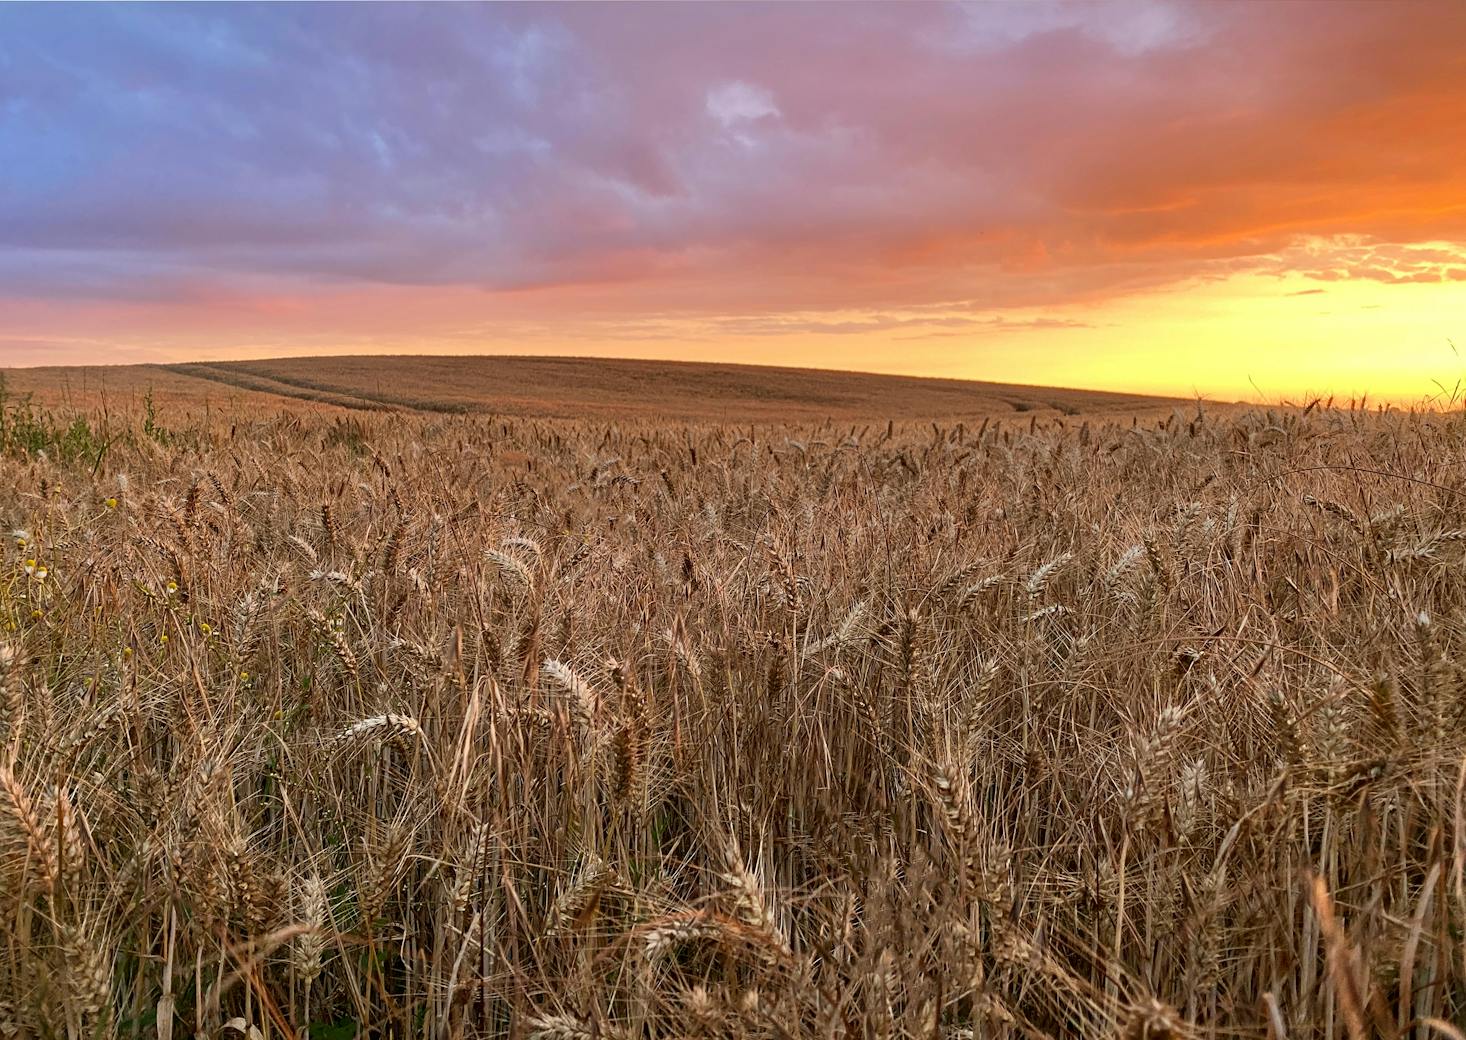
(451, 726)
(606, 389)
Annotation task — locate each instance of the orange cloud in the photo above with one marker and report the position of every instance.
(984, 177)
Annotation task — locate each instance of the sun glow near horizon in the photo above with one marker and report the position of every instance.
(1244, 338)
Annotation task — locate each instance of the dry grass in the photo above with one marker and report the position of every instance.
(451, 727)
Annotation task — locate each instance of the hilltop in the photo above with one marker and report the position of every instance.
(555, 387)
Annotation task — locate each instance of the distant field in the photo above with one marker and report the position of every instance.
(572, 388)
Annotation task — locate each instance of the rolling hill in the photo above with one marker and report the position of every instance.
(557, 387)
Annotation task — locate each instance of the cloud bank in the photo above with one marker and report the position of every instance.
(732, 163)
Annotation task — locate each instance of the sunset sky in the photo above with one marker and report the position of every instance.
(1236, 200)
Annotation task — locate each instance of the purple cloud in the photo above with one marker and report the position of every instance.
(748, 159)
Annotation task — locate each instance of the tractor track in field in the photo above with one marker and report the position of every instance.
(299, 389)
